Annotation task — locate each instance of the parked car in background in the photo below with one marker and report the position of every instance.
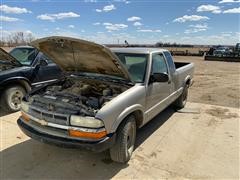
(21, 69)
(106, 95)
(222, 51)
(237, 50)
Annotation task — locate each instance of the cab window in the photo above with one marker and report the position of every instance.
(158, 64)
(170, 61)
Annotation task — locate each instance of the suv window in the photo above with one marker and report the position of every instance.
(43, 56)
(24, 55)
(158, 64)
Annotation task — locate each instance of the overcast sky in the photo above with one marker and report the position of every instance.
(138, 21)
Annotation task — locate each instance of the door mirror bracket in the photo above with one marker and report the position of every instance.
(43, 62)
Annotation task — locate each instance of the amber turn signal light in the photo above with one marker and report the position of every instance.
(25, 117)
(96, 135)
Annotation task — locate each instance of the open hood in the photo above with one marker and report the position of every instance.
(6, 57)
(76, 55)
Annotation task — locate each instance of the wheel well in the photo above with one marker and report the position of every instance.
(21, 83)
(138, 117)
(188, 82)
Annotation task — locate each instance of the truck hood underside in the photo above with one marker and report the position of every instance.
(6, 57)
(76, 55)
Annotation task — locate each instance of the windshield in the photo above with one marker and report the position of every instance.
(24, 55)
(222, 48)
(135, 64)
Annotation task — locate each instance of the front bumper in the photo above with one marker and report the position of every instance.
(96, 146)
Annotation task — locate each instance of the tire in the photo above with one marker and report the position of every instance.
(182, 99)
(126, 135)
(12, 97)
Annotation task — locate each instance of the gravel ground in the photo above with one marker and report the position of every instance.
(216, 83)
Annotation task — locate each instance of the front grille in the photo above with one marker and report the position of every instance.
(49, 116)
(48, 130)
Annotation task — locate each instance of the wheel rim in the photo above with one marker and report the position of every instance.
(15, 100)
(131, 139)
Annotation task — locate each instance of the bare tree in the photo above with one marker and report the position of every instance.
(29, 38)
(16, 39)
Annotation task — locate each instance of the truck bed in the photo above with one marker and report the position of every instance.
(180, 64)
(183, 71)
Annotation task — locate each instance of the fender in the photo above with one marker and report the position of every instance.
(124, 114)
(188, 78)
(22, 80)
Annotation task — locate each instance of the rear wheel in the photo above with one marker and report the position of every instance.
(182, 100)
(12, 97)
(124, 146)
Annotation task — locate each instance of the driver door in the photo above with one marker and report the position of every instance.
(44, 74)
(158, 92)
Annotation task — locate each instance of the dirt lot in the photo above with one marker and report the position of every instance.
(201, 141)
(215, 83)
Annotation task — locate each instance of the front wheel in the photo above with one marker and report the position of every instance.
(124, 146)
(12, 97)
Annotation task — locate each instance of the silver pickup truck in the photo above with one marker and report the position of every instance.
(106, 95)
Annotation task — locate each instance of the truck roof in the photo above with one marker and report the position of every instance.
(26, 46)
(137, 50)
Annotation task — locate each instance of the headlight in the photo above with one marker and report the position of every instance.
(24, 106)
(88, 122)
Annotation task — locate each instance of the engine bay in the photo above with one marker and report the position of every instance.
(77, 96)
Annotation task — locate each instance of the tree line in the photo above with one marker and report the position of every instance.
(16, 39)
(158, 44)
(21, 38)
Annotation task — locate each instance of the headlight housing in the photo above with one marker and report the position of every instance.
(88, 122)
(24, 106)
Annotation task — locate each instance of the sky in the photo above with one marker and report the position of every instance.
(202, 22)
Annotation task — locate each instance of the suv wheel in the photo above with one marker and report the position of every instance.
(12, 97)
(124, 146)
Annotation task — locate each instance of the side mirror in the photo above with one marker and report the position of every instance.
(159, 77)
(43, 62)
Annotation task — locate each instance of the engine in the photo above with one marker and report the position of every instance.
(82, 97)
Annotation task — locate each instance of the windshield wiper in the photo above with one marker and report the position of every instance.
(104, 78)
(114, 80)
